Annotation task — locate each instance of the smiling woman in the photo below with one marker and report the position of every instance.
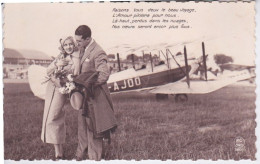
(69, 46)
(53, 126)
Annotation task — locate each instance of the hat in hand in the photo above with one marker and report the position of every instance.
(76, 100)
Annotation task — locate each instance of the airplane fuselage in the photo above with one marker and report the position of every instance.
(147, 81)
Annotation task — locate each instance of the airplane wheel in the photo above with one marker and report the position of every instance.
(160, 97)
(181, 97)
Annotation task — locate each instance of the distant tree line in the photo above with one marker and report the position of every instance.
(222, 59)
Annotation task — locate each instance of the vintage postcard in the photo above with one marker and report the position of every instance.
(129, 81)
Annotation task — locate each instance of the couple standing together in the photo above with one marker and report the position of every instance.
(84, 56)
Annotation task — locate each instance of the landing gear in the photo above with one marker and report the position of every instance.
(178, 97)
(160, 97)
(181, 97)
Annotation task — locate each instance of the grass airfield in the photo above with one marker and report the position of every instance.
(204, 127)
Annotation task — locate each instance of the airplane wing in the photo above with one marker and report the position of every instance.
(202, 87)
(36, 77)
(126, 74)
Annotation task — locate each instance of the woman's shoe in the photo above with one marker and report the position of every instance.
(59, 158)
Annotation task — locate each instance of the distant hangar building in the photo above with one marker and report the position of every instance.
(16, 62)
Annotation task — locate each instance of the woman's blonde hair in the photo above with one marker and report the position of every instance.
(62, 41)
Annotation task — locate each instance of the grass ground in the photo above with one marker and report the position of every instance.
(205, 127)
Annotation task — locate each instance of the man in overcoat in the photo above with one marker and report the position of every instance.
(91, 132)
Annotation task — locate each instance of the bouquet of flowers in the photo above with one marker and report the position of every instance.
(68, 85)
(63, 80)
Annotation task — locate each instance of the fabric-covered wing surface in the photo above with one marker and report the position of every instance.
(202, 87)
(36, 76)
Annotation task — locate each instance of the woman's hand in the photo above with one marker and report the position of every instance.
(61, 63)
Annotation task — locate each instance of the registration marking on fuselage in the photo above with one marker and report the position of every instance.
(125, 84)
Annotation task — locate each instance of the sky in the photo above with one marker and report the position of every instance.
(226, 28)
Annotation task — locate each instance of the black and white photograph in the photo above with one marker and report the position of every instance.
(91, 81)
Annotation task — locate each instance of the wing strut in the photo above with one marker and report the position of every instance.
(143, 56)
(118, 62)
(167, 50)
(186, 67)
(151, 59)
(166, 57)
(204, 61)
(133, 60)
